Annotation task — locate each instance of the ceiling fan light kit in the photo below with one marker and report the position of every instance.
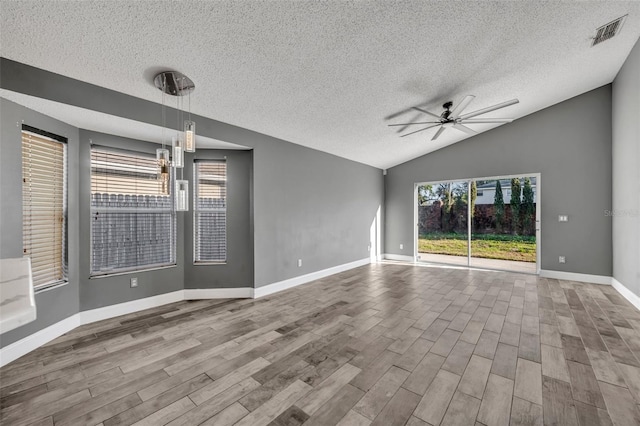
(455, 119)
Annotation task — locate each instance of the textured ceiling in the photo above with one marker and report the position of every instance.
(328, 75)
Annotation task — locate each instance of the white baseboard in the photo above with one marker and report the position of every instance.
(626, 293)
(303, 279)
(34, 341)
(22, 347)
(574, 276)
(218, 293)
(399, 257)
(112, 311)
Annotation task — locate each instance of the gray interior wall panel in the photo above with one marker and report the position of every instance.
(569, 144)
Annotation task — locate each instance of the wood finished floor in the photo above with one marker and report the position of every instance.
(384, 344)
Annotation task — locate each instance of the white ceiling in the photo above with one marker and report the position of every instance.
(329, 74)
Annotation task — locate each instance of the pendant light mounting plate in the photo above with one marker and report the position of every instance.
(174, 83)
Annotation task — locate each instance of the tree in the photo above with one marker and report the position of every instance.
(474, 195)
(498, 206)
(515, 205)
(444, 190)
(459, 211)
(528, 207)
(425, 194)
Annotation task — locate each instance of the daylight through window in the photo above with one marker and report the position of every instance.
(133, 225)
(44, 207)
(210, 211)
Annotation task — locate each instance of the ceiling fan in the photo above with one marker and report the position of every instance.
(455, 119)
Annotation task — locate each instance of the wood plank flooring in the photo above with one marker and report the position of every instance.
(386, 344)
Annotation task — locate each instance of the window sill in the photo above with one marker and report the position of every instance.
(129, 272)
(45, 288)
(211, 263)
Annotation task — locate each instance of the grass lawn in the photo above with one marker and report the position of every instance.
(487, 246)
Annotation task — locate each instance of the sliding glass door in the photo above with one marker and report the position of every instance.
(490, 223)
(443, 214)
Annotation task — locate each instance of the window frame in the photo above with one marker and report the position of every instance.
(63, 264)
(114, 271)
(197, 211)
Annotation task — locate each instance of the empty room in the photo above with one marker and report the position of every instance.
(319, 213)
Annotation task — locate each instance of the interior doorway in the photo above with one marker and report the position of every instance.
(489, 223)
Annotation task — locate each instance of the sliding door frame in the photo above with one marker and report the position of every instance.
(416, 220)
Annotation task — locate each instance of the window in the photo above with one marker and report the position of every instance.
(210, 211)
(44, 206)
(133, 224)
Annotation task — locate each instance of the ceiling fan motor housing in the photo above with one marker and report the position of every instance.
(447, 110)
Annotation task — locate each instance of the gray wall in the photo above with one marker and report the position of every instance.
(113, 289)
(626, 173)
(305, 202)
(58, 303)
(238, 270)
(569, 144)
(312, 206)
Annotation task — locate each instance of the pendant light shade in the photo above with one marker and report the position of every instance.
(178, 152)
(182, 195)
(189, 136)
(162, 159)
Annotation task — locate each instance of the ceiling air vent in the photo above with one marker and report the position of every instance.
(609, 30)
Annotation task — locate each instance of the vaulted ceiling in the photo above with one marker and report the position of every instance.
(329, 75)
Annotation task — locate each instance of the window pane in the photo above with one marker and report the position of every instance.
(133, 225)
(44, 207)
(210, 211)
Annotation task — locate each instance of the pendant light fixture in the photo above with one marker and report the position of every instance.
(189, 136)
(162, 158)
(178, 152)
(176, 84)
(182, 195)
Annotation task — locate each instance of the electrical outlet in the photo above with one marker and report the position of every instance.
(563, 218)
(134, 282)
(401, 246)
(561, 259)
(299, 263)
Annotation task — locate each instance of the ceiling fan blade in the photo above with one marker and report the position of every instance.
(419, 130)
(464, 129)
(486, 120)
(415, 122)
(489, 109)
(427, 112)
(438, 133)
(415, 117)
(461, 106)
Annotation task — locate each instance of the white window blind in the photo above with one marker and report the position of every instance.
(133, 225)
(210, 211)
(44, 207)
